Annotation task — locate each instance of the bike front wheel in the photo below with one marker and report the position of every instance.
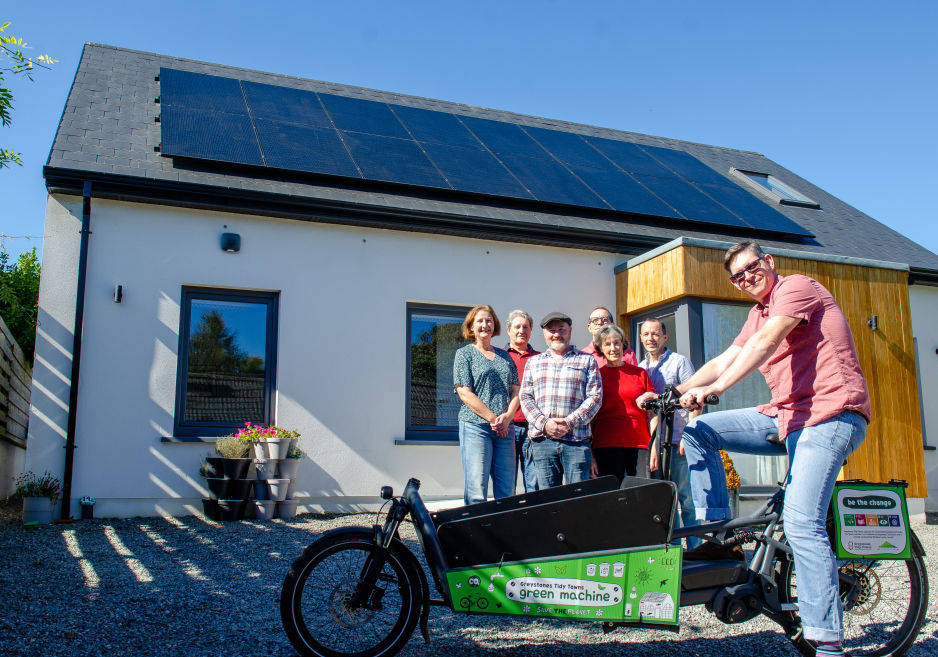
(885, 616)
(314, 603)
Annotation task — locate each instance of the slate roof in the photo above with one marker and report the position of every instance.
(107, 134)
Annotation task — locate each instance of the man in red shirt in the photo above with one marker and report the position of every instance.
(598, 319)
(520, 325)
(798, 337)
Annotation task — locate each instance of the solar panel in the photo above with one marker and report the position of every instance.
(568, 147)
(687, 166)
(629, 157)
(469, 170)
(269, 101)
(305, 148)
(505, 138)
(750, 209)
(366, 116)
(201, 92)
(436, 127)
(393, 160)
(551, 181)
(209, 136)
(689, 201)
(622, 192)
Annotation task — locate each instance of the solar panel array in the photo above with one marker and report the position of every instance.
(228, 120)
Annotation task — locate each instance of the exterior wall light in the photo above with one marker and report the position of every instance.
(230, 242)
(874, 323)
(118, 293)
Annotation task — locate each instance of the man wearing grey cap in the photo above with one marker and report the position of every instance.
(561, 392)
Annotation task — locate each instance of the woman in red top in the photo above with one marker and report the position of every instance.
(621, 430)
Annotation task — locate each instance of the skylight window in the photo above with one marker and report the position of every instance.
(776, 188)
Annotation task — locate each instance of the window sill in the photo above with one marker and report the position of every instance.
(426, 443)
(189, 439)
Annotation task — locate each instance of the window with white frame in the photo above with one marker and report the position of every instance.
(769, 184)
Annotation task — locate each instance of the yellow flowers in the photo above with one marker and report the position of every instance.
(732, 478)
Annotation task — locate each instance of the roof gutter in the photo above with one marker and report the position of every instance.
(76, 351)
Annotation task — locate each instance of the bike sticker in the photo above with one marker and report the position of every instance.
(641, 585)
(863, 534)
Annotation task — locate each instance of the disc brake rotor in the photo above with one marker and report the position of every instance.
(871, 590)
(339, 609)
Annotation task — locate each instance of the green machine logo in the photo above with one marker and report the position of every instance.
(639, 586)
(869, 502)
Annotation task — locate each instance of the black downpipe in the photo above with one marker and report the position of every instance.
(76, 352)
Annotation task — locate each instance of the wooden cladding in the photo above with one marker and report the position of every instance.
(893, 446)
(15, 384)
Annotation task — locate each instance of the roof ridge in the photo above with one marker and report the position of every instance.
(529, 117)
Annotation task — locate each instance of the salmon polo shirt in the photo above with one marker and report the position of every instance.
(815, 373)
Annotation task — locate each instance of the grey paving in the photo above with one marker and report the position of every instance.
(186, 586)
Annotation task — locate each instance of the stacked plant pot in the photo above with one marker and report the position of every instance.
(276, 479)
(229, 488)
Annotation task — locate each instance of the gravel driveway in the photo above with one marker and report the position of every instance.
(187, 586)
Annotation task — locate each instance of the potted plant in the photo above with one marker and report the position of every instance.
(39, 495)
(289, 465)
(269, 442)
(732, 482)
(234, 453)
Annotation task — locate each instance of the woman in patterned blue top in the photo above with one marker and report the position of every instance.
(486, 381)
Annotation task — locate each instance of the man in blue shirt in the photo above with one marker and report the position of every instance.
(666, 368)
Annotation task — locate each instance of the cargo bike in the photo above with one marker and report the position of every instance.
(589, 551)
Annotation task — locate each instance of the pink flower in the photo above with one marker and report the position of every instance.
(247, 424)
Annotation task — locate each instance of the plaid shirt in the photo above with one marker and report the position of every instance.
(569, 388)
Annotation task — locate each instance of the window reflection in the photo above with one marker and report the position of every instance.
(225, 379)
(434, 341)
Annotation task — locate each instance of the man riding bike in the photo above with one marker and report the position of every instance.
(798, 337)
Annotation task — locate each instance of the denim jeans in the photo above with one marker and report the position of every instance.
(555, 459)
(687, 517)
(483, 452)
(816, 455)
(525, 459)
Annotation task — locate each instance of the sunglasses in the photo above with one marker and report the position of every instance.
(751, 268)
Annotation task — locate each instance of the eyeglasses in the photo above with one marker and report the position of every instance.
(751, 268)
(601, 320)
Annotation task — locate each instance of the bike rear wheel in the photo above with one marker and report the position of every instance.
(887, 615)
(314, 602)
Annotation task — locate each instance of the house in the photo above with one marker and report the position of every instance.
(246, 247)
(656, 605)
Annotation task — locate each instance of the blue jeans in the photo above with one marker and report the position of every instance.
(816, 455)
(483, 452)
(555, 459)
(525, 459)
(687, 517)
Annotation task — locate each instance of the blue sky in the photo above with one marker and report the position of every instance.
(842, 93)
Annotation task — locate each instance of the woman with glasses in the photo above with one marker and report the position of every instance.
(599, 318)
(486, 380)
(621, 430)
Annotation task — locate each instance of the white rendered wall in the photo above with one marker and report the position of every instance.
(342, 343)
(924, 302)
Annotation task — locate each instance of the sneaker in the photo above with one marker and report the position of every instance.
(713, 552)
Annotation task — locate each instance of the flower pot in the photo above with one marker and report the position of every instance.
(290, 489)
(260, 450)
(277, 489)
(260, 490)
(265, 509)
(240, 489)
(213, 467)
(230, 510)
(218, 488)
(236, 468)
(294, 442)
(734, 502)
(210, 509)
(287, 509)
(288, 468)
(265, 469)
(277, 448)
(39, 509)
